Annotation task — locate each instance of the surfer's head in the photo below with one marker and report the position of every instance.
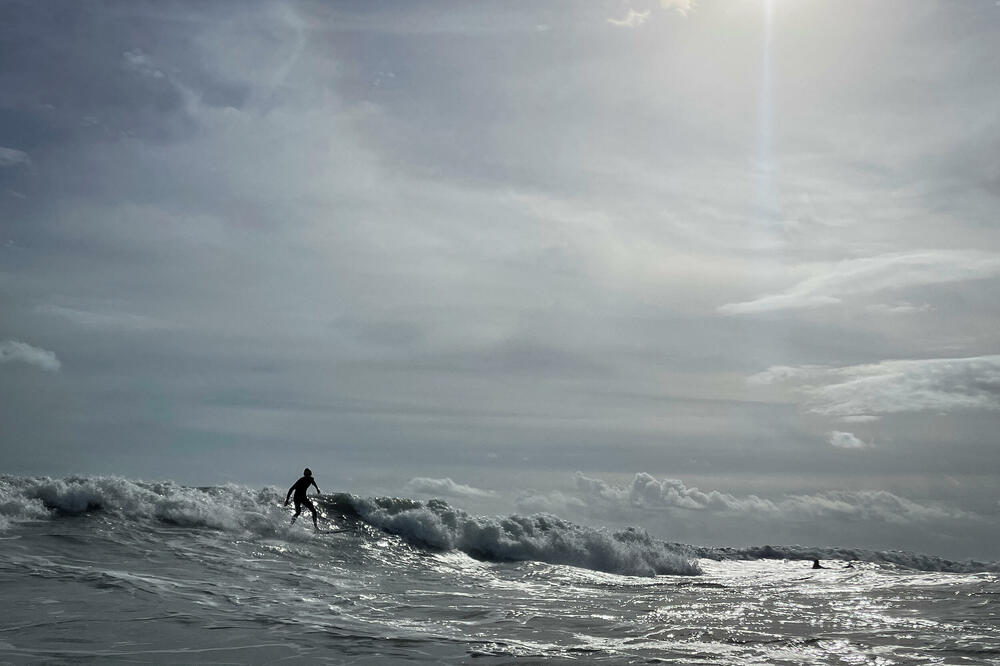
(307, 472)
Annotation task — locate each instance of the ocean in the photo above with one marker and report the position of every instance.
(112, 570)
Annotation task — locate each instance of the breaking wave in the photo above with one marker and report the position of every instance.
(225, 507)
(432, 525)
(538, 537)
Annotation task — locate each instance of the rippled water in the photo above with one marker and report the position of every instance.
(100, 586)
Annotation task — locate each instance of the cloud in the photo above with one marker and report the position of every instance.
(11, 157)
(845, 440)
(781, 373)
(632, 20)
(682, 7)
(551, 502)
(446, 486)
(14, 351)
(860, 392)
(139, 62)
(103, 320)
(898, 308)
(873, 274)
(646, 493)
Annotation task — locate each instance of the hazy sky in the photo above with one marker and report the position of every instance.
(724, 269)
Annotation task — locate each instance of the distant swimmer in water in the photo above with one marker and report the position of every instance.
(299, 488)
(817, 565)
(850, 565)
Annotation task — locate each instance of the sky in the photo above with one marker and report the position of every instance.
(725, 270)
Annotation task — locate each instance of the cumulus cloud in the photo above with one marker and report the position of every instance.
(845, 440)
(444, 487)
(632, 20)
(646, 492)
(860, 392)
(873, 274)
(14, 351)
(10, 157)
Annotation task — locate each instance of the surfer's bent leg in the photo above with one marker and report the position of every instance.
(312, 508)
(298, 509)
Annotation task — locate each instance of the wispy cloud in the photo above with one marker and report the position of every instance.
(103, 320)
(633, 19)
(14, 351)
(444, 487)
(859, 392)
(141, 63)
(10, 157)
(872, 274)
(898, 308)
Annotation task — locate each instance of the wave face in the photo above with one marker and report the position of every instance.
(538, 537)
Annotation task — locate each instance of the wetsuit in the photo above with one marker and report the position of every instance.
(299, 488)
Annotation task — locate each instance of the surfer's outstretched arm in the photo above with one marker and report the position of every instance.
(318, 491)
(289, 494)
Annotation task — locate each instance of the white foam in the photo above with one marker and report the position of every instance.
(538, 537)
(15, 506)
(226, 507)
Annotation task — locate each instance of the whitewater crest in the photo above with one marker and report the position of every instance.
(538, 537)
(434, 525)
(224, 507)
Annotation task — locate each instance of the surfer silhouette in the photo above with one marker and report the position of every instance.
(299, 488)
(816, 564)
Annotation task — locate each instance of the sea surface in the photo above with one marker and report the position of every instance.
(111, 570)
